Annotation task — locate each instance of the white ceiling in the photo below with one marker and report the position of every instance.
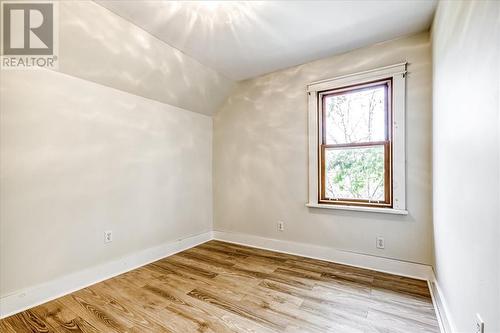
(246, 39)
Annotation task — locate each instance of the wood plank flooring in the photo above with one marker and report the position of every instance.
(220, 287)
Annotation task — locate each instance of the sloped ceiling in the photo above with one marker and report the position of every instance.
(100, 46)
(244, 39)
(189, 54)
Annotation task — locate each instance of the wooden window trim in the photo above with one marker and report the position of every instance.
(387, 144)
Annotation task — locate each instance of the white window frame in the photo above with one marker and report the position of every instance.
(398, 74)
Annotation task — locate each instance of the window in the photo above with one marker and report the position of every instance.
(357, 141)
(355, 150)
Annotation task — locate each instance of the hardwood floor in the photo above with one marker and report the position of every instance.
(221, 287)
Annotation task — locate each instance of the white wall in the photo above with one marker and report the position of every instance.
(260, 158)
(78, 157)
(466, 41)
(100, 46)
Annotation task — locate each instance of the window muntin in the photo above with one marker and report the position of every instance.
(355, 145)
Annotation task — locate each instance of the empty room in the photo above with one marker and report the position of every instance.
(250, 166)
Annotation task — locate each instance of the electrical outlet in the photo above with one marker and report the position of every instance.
(380, 243)
(479, 327)
(108, 236)
(281, 226)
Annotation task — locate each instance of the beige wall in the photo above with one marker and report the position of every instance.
(78, 158)
(260, 158)
(466, 59)
(98, 45)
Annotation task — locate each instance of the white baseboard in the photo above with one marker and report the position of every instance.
(442, 312)
(25, 299)
(387, 265)
(28, 298)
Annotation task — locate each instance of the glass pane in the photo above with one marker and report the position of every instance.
(355, 116)
(355, 173)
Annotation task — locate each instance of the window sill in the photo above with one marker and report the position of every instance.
(360, 209)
